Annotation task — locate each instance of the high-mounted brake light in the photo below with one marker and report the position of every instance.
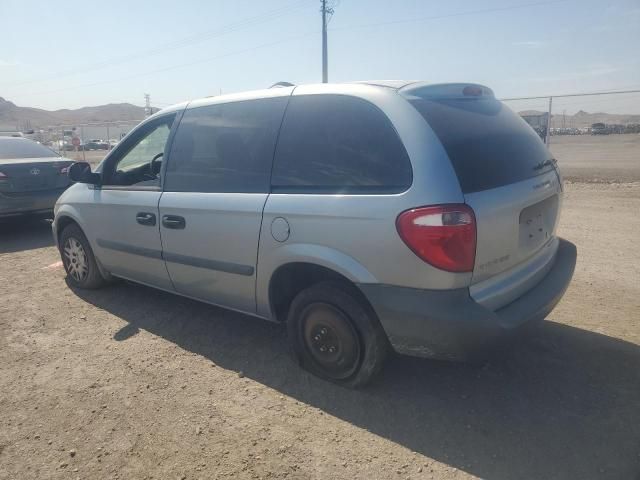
(445, 90)
(472, 91)
(442, 235)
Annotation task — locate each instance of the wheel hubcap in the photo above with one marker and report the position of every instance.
(331, 340)
(75, 259)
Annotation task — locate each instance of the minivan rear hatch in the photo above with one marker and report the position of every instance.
(506, 174)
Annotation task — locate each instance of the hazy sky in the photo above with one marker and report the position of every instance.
(75, 53)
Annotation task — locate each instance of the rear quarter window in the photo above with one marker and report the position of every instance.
(338, 144)
(488, 144)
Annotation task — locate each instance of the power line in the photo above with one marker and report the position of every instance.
(450, 15)
(324, 7)
(184, 42)
(325, 10)
(173, 67)
(248, 22)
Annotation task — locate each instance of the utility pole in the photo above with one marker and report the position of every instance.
(147, 105)
(326, 15)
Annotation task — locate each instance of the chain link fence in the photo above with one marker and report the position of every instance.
(594, 137)
(83, 141)
(602, 113)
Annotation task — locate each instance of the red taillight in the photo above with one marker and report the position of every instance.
(443, 235)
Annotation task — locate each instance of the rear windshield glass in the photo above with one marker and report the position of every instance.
(488, 144)
(21, 148)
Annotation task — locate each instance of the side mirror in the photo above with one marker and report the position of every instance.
(80, 172)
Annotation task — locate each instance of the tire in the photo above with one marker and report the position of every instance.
(78, 259)
(335, 335)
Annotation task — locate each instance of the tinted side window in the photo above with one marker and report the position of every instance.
(226, 147)
(339, 144)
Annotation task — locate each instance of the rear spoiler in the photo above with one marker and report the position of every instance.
(445, 90)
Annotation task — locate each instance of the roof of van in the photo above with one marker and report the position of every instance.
(285, 88)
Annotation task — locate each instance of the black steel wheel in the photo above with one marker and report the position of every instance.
(335, 334)
(330, 340)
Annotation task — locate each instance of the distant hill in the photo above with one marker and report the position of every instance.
(13, 117)
(585, 119)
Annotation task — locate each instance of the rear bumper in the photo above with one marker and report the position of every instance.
(449, 324)
(29, 202)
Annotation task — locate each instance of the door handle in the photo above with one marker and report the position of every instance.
(174, 221)
(146, 218)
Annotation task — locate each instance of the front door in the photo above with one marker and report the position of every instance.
(125, 218)
(216, 185)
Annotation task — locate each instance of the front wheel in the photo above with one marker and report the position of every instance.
(335, 335)
(78, 259)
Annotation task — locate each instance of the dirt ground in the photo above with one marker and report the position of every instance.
(132, 383)
(598, 158)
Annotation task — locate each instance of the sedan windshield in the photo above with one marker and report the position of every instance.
(23, 148)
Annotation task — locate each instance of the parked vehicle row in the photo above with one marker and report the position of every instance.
(599, 129)
(94, 144)
(367, 217)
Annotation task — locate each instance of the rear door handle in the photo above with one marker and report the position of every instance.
(146, 218)
(174, 221)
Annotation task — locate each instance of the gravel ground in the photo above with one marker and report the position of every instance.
(598, 158)
(128, 382)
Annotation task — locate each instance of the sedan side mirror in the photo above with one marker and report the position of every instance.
(80, 172)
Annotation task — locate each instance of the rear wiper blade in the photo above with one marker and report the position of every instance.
(547, 163)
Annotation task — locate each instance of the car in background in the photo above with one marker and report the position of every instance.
(599, 129)
(67, 146)
(113, 142)
(32, 177)
(96, 144)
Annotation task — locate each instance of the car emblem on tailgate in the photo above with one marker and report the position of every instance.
(34, 171)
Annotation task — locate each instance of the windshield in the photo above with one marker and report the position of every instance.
(23, 148)
(488, 145)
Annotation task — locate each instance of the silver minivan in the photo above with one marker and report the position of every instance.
(367, 217)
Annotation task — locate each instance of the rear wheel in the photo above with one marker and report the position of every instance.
(78, 259)
(335, 335)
